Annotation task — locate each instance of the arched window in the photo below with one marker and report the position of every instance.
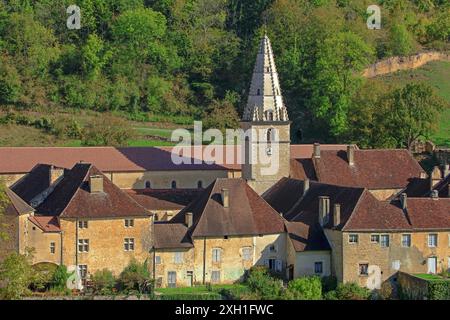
(247, 150)
(174, 184)
(148, 185)
(258, 92)
(270, 135)
(199, 184)
(270, 115)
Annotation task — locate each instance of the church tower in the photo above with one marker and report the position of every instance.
(266, 124)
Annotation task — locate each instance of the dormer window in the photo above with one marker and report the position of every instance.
(148, 185)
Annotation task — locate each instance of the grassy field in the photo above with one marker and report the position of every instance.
(436, 74)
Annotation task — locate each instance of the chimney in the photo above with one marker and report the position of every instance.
(351, 155)
(403, 201)
(55, 174)
(316, 149)
(337, 215)
(225, 198)
(324, 209)
(305, 186)
(96, 183)
(435, 194)
(189, 219)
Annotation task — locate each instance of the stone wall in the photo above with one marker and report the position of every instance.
(412, 287)
(394, 64)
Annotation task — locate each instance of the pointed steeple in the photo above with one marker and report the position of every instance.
(265, 102)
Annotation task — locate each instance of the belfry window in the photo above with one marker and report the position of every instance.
(258, 92)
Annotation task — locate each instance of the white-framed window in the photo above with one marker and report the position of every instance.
(215, 276)
(396, 265)
(52, 247)
(129, 223)
(375, 238)
(171, 279)
(216, 254)
(83, 224)
(247, 253)
(178, 257)
(353, 238)
(83, 269)
(363, 269)
(318, 267)
(406, 240)
(384, 240)
(83, 245)
(157, 259)
(128, 244)
(432, 240)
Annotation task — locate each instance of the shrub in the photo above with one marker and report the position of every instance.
(136, 278)
(44, 276)
(305, 288)
(16, 275)
(263, 285)
(329, 283)
(348, 291)
(107, 131)
(103, 282)
(439, 289)
(60, 277)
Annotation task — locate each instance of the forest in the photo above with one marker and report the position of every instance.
(194, 59)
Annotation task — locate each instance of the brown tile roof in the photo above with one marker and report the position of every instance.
(158, 199)
(171, 236)
(307, 237)
(110, 159)
(373, 169)
(15, 204)
(71, 197)
(283, 195)
(46, 224)
(247, 214)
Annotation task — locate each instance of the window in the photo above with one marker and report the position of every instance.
(353, 238)
(83, 245)
(215, 276)
(82, 268)
(82, 224)
(396, 265)
(199, 184)
(270, 263)
(406, 240)
(258, 92)
(171, 279)
(216, 255)
(272, 248)
(178, 257)
(247, 253)
(364, 269)
(384, 240)
(52, 247)
(128, 244)
(174, 184)
(157, 259)
(129, 223)
(318, 267)
(432, 240)
(148, 185)
(375, 238)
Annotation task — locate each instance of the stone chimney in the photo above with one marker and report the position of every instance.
(435, 177)
(324, 209)
(189, 219)
(225, 198)
(351, 154)
(55, 173)
(305, 186)
(404, 201)
(337, 215)
(434, 194)
(96, 183)
(316, 153)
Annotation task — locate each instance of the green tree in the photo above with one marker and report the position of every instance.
(136, 277)
(3, 203)
(107, 131)
(263, 285)
(401, 41)
(16, 275)
(93, 56)
(305, 288)
(103, 282)
(348, 291)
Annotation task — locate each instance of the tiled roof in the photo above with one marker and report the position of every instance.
(131, 159)
(307, 236)
(72, 198)
(372, 169)
(171, 236)
(158, 199)
(247, 214)
(15, 204)
(46, 224)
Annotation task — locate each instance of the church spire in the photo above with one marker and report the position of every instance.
(265, 102)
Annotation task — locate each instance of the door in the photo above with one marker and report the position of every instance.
(432, 264)
(190, 278)
(171, 279)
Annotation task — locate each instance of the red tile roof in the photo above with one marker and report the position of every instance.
(15, 205)
(132, 159)
(171, 236)
(158, 199)
(372, 169)
(72, 198)
(46, 224)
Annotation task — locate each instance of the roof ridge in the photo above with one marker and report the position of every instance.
(78, 188)
(358, 203)
(204, 208)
